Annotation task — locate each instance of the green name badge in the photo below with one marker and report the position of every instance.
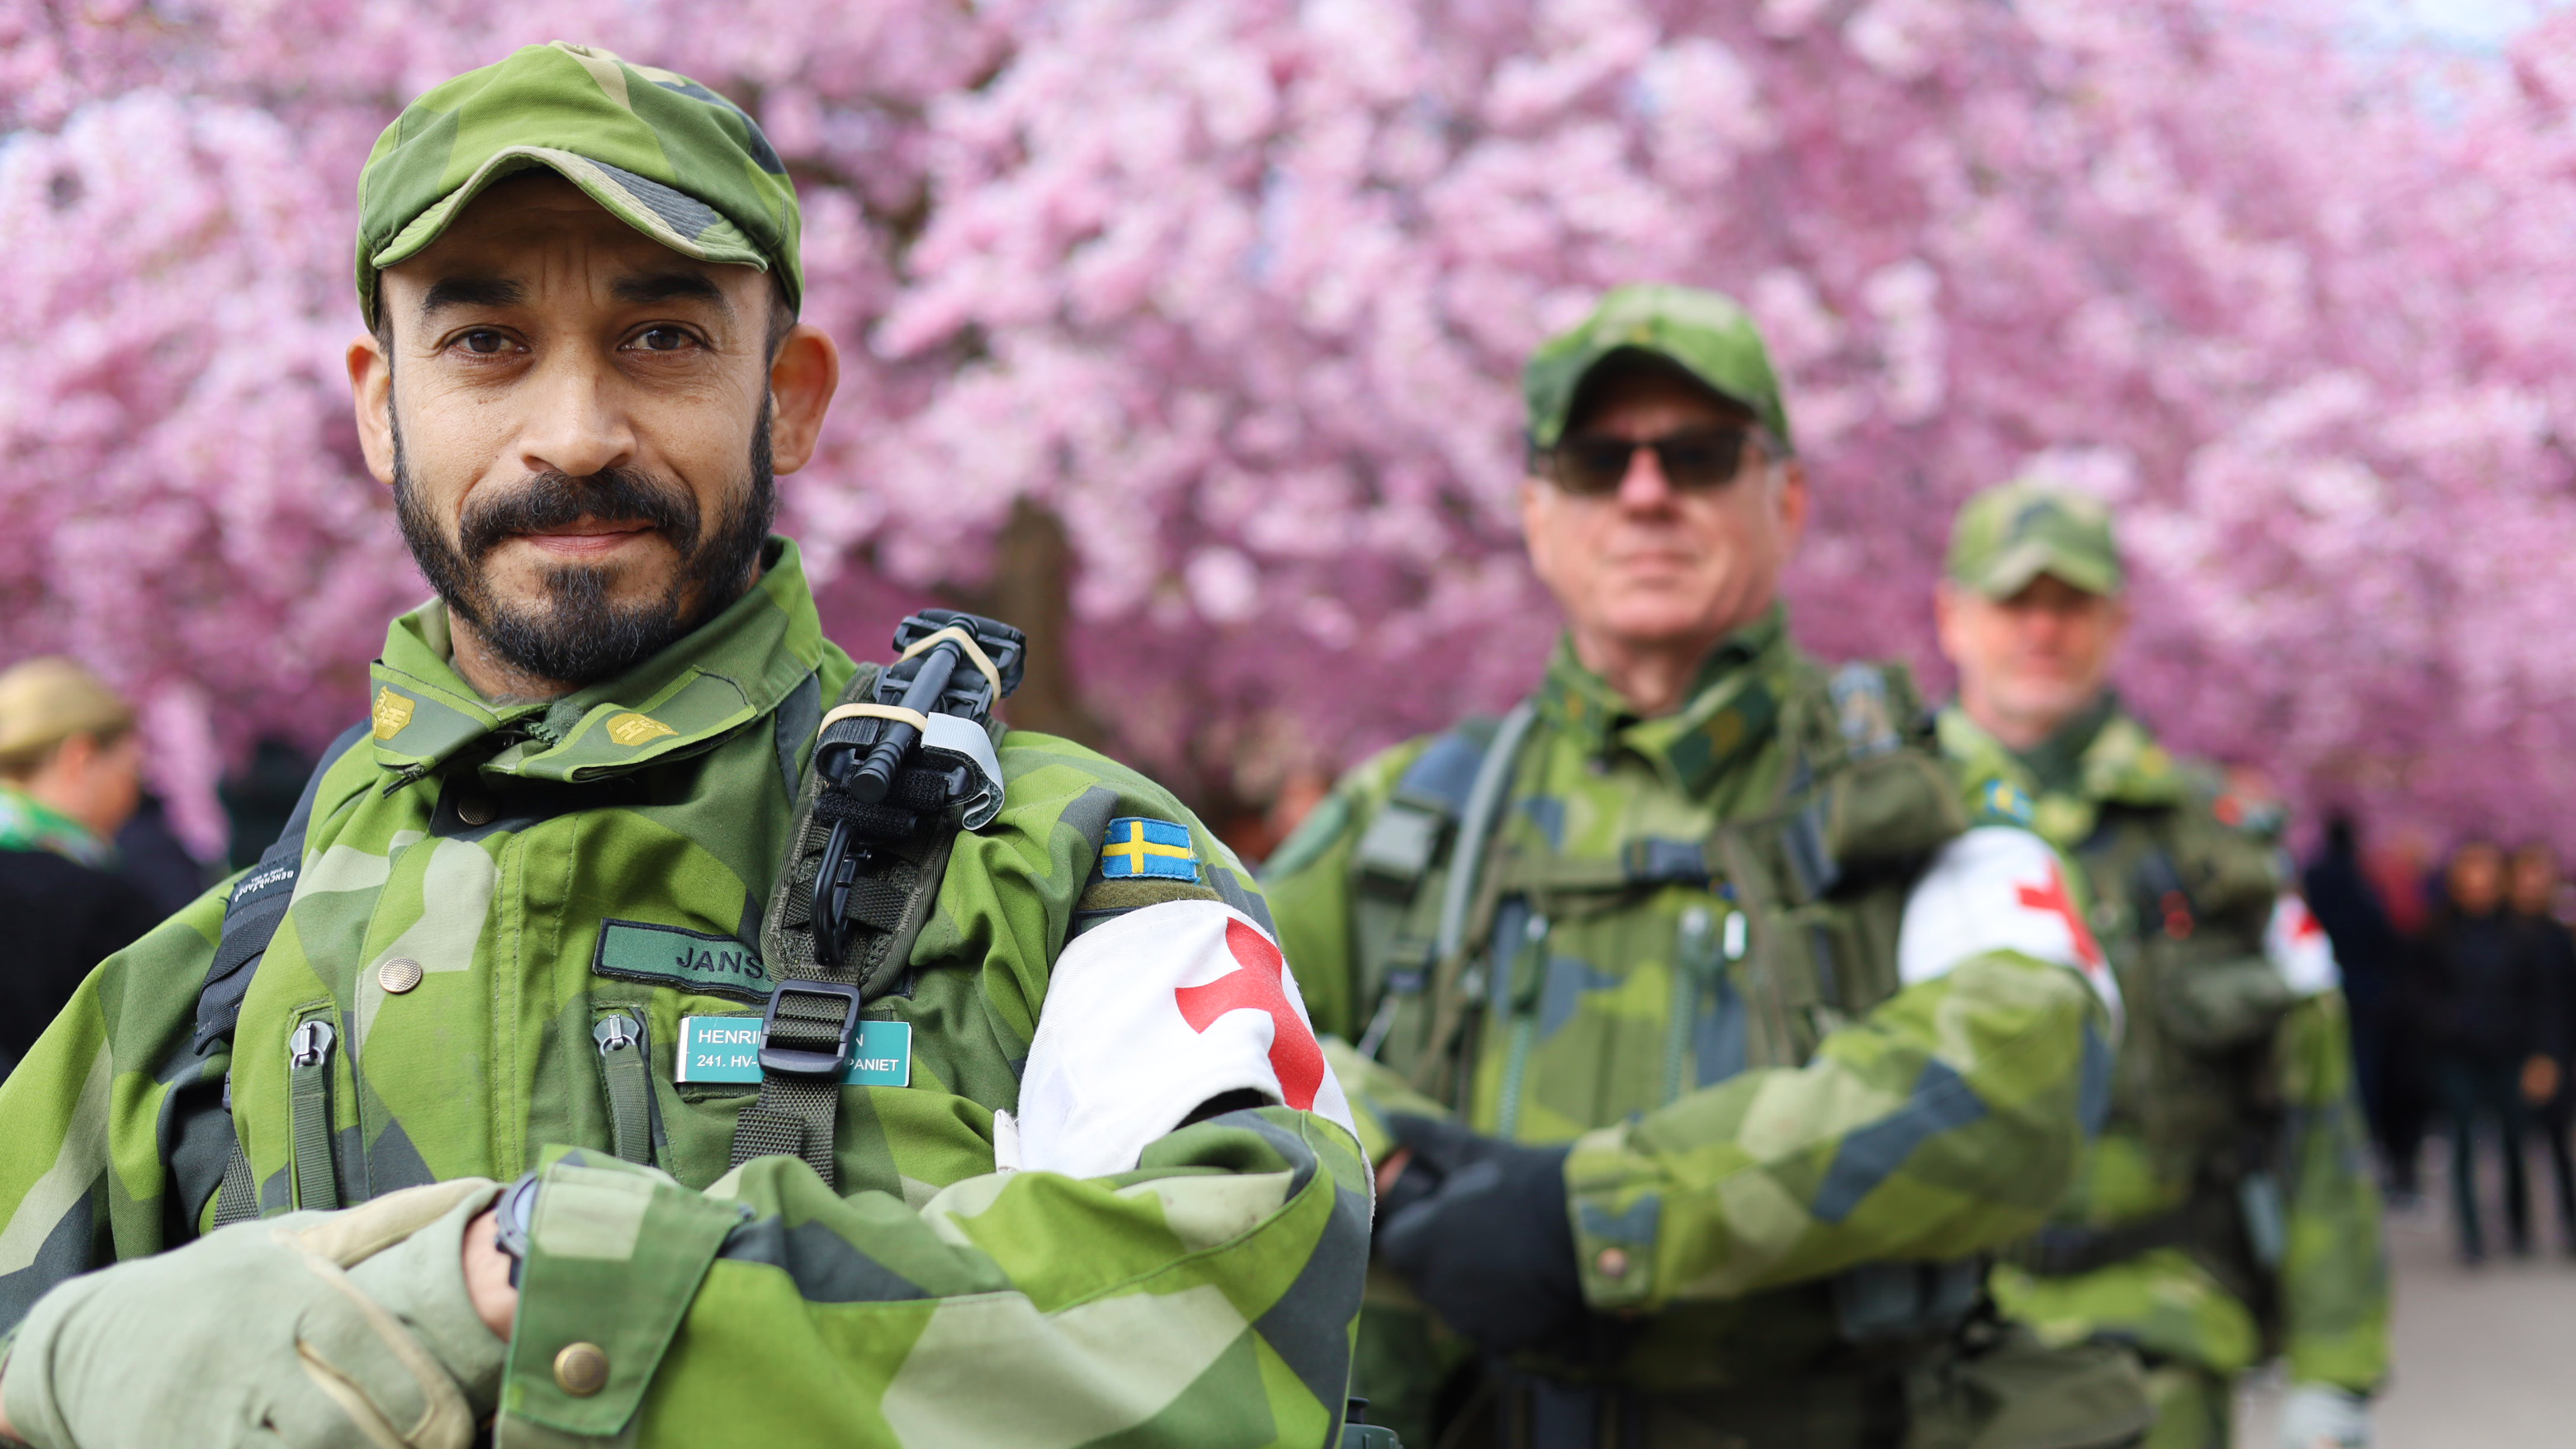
(727, 1049)
(690, 961)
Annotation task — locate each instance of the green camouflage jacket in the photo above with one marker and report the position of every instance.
(1749, 1124)
(2226, 1213)
(484, 887)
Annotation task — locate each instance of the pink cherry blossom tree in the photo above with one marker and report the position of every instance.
(1235, 292)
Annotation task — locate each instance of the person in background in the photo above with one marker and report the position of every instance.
(2533, 887)
(2223, 1217)
(1707, 1051)
(2344, 901)
(2479, 985)
(70, 775)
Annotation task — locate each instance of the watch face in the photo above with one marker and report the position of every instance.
(510, 1219)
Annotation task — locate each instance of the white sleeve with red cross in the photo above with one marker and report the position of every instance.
(2298, 948)
(1152, 1013)
(1998, 889)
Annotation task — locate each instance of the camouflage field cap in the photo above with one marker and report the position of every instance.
(663, 153)
(2007, 536)
(1704, 333)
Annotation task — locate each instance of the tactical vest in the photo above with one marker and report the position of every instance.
(1796, 935)
(1807, 896)
(1789, 931)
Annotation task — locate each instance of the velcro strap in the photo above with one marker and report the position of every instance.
(882, 821)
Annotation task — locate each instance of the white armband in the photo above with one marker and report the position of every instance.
(1998, 889)
(1151, 1014)
(2296, 944)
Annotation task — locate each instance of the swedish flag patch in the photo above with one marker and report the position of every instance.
(1140, 849)
(2002, 801)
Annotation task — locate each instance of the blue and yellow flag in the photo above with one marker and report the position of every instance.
(1140, 849)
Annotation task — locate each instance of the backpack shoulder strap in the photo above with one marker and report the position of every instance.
(252, 914)
(1403, 839)
(257, 906)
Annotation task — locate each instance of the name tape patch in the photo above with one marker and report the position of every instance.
(692, 961)
(727, 1049)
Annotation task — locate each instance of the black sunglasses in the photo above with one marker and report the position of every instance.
(1698, 461)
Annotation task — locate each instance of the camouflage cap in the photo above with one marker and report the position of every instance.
(661, 152)
(1704, 333)
(2007, 536)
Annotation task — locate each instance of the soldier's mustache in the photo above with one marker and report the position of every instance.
(558, 500)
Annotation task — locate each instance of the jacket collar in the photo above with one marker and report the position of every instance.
(1731, 706)
(2120, 763)
(734, 669)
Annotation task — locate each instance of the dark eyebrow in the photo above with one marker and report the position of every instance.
(471, 292)
(650, 287)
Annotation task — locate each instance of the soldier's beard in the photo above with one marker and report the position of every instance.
(578, 634)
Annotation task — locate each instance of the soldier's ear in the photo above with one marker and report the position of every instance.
(371, 399)
(804, 372)
(1945, 602)
(1790, 498)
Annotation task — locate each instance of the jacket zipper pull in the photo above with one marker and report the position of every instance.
(629, 1085)
(308, 1090)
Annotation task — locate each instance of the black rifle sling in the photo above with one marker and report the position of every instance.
(878, 808)
(252, 914)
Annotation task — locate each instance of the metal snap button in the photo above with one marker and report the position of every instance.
(398, 975)
(1611, 1263)
(476, 808)
(581, 1370)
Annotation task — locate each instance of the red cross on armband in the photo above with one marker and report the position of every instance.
(2054, 899)
(1260, 985)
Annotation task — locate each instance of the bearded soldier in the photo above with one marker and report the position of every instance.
(2224, 1218)
(1706, 1045)
(870, 1074)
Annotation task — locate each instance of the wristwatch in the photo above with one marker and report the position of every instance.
(511, 1216)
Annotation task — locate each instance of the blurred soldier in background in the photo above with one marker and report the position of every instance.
(2368, 955)
(2223, 1218)
(1705, 1046)
(70, 774)
(1023, 1137)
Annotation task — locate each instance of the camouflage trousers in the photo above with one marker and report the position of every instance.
(2195, 1409)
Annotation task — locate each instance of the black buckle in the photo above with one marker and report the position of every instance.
(797, 1061)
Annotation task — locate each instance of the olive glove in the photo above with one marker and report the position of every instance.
(306, 1331)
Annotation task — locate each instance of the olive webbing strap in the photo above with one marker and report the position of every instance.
(903, 846)
(237, 1200)
(308, 1090)
(629, 1085)
(1485, 801)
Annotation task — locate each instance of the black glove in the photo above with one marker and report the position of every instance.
(1481, 1229)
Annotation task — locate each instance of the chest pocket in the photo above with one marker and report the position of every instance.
(2192, 900)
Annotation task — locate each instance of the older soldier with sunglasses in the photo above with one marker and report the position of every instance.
(1705, 1043)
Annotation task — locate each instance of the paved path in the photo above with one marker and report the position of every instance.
(2486, 1357)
